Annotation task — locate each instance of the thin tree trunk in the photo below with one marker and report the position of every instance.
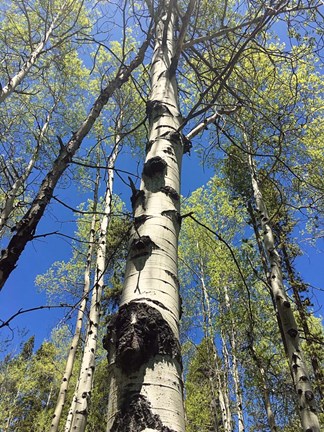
(236, 377)
(224, 396)
(18, 78)
(87, 370)
(215, 377)
(14, 192)
(265, 389)
(262, 373)
(286, 319)
(79, 320)
(26, 227)
(145, 372)
(49, 398)
(72, 409)
(296, 284)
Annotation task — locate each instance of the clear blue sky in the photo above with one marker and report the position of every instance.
(21, 292)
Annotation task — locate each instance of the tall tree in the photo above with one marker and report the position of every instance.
(26, 227)
(286, 319)
(87, 370)
(79, 319)
(146, 327)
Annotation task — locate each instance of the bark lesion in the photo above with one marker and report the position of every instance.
(173, 215)
(154, 166)
(140, 332)
(136, 415)
(142, 247)
(171, 192)
(156, 109)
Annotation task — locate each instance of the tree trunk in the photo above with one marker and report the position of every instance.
(87, 370)
(265, 389)
(26, 227)
(296, 285)
(72, 409)
(236, 375)
(262, 373)
(286, 319)
(217, 383)
(223, 395)
(79, 320)
(146, 389)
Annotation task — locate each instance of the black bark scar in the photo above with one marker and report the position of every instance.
(140, 332)
(136, 415)
(155, 165)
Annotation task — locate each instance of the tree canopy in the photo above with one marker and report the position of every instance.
(161, 183)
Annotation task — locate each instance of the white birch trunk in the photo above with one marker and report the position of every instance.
(18, 78)
(83, 396)
(286, 319)
(79, 320)
(146, 389)
(224, 383)
(15, 190)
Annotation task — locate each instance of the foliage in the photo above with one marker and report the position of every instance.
(267, 94)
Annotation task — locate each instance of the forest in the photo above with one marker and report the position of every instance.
(161, 197)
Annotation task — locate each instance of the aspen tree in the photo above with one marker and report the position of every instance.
(146, 389)
(215, 378)
(15, 189)
(79, 319)
(236, 377)
(82, 397)
(14, 81)
(298, 286)
(256, 359)
(285, 315)
(26, 227)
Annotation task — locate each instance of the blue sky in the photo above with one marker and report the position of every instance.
(20, 291)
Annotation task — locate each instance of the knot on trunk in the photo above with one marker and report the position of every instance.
(140, 333)
(155, 165)
(155, 106)
(141, 247)
(292, 332)
(136, 415)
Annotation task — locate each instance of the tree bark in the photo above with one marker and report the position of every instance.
(217, 382)
(286, 319)
(87, 370)
(262, 372)
(79, 320)
(146, 389)
(26, 227)
(296, 284)
(236, 375)
(224, 399)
